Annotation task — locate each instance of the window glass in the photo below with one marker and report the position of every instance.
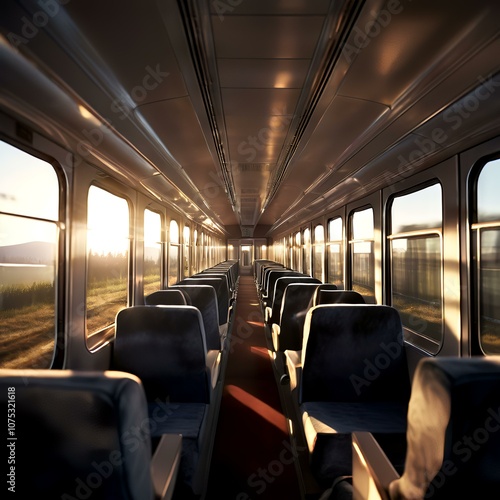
(336, 253)
(173, 254)
(416, 262)
(152, 252)
(362, 254)
(186, 255)
(319, 253)
(307, 251)
(108, 246)
(29, 242)
(486, 255)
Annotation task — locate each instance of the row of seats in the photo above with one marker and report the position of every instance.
(365, 426)
(144, 428)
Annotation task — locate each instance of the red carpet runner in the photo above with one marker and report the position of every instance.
(252, 457)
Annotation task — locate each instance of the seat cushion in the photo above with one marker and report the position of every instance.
(328, 427)
(187, 419)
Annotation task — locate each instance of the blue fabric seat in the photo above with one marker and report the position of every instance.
(351, 375)
(85, 435)
(165, 347)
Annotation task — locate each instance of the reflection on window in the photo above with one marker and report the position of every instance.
(173, 253)
(416, 262)
(362, 254)
(152, 252)
(335, 253)
(486, 253)
(107, 259)
(186, 253)
(307, 251)
(319, 253)
(297, 261)
(29, 235)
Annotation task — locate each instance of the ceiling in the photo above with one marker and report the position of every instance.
(259, 112)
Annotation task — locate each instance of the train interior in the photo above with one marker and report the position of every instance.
(249, 249)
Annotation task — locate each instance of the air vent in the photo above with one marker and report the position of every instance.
(252, 167)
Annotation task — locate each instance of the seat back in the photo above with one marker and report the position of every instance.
(74, 436)
(165, 347)
(453, 429)
(332, 296)
(221, 290)
(168, 297)
(354, 353)
(294, 307)
(279, 291)
(204, 298)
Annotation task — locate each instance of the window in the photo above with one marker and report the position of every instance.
(186, 254)
(319, 253)
(486, 255)
(195, 252)
(173, 253)
(416, 261)
(108, 247)
(335, 253)
(362, 253)
(297, 248)
(152, 252)
(307, 251)
(29, 243)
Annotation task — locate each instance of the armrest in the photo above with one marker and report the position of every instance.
(213, 365)
(267, 314)
(372, 472)
(294, 365)
(165, 464)
(276, 335)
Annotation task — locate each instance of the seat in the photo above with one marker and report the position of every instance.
(165, 347)
(221, 289)
(453, 439)
(83, 435)
(287, 334)
(168, 297)
(204, 298)
(351, 375)
(273, 310)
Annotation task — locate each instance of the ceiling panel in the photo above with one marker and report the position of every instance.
(281, 37)
(290, 7)
(262, 73)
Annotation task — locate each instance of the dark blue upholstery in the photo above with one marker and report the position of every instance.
(453, 430)
(221, 289)
(165, 347)
(332, 296)
(354, 377)
(74, 435)
(295, 304)
(279, 291)
(204, 298)
(168, 297)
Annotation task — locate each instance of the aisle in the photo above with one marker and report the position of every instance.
(252, 457)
